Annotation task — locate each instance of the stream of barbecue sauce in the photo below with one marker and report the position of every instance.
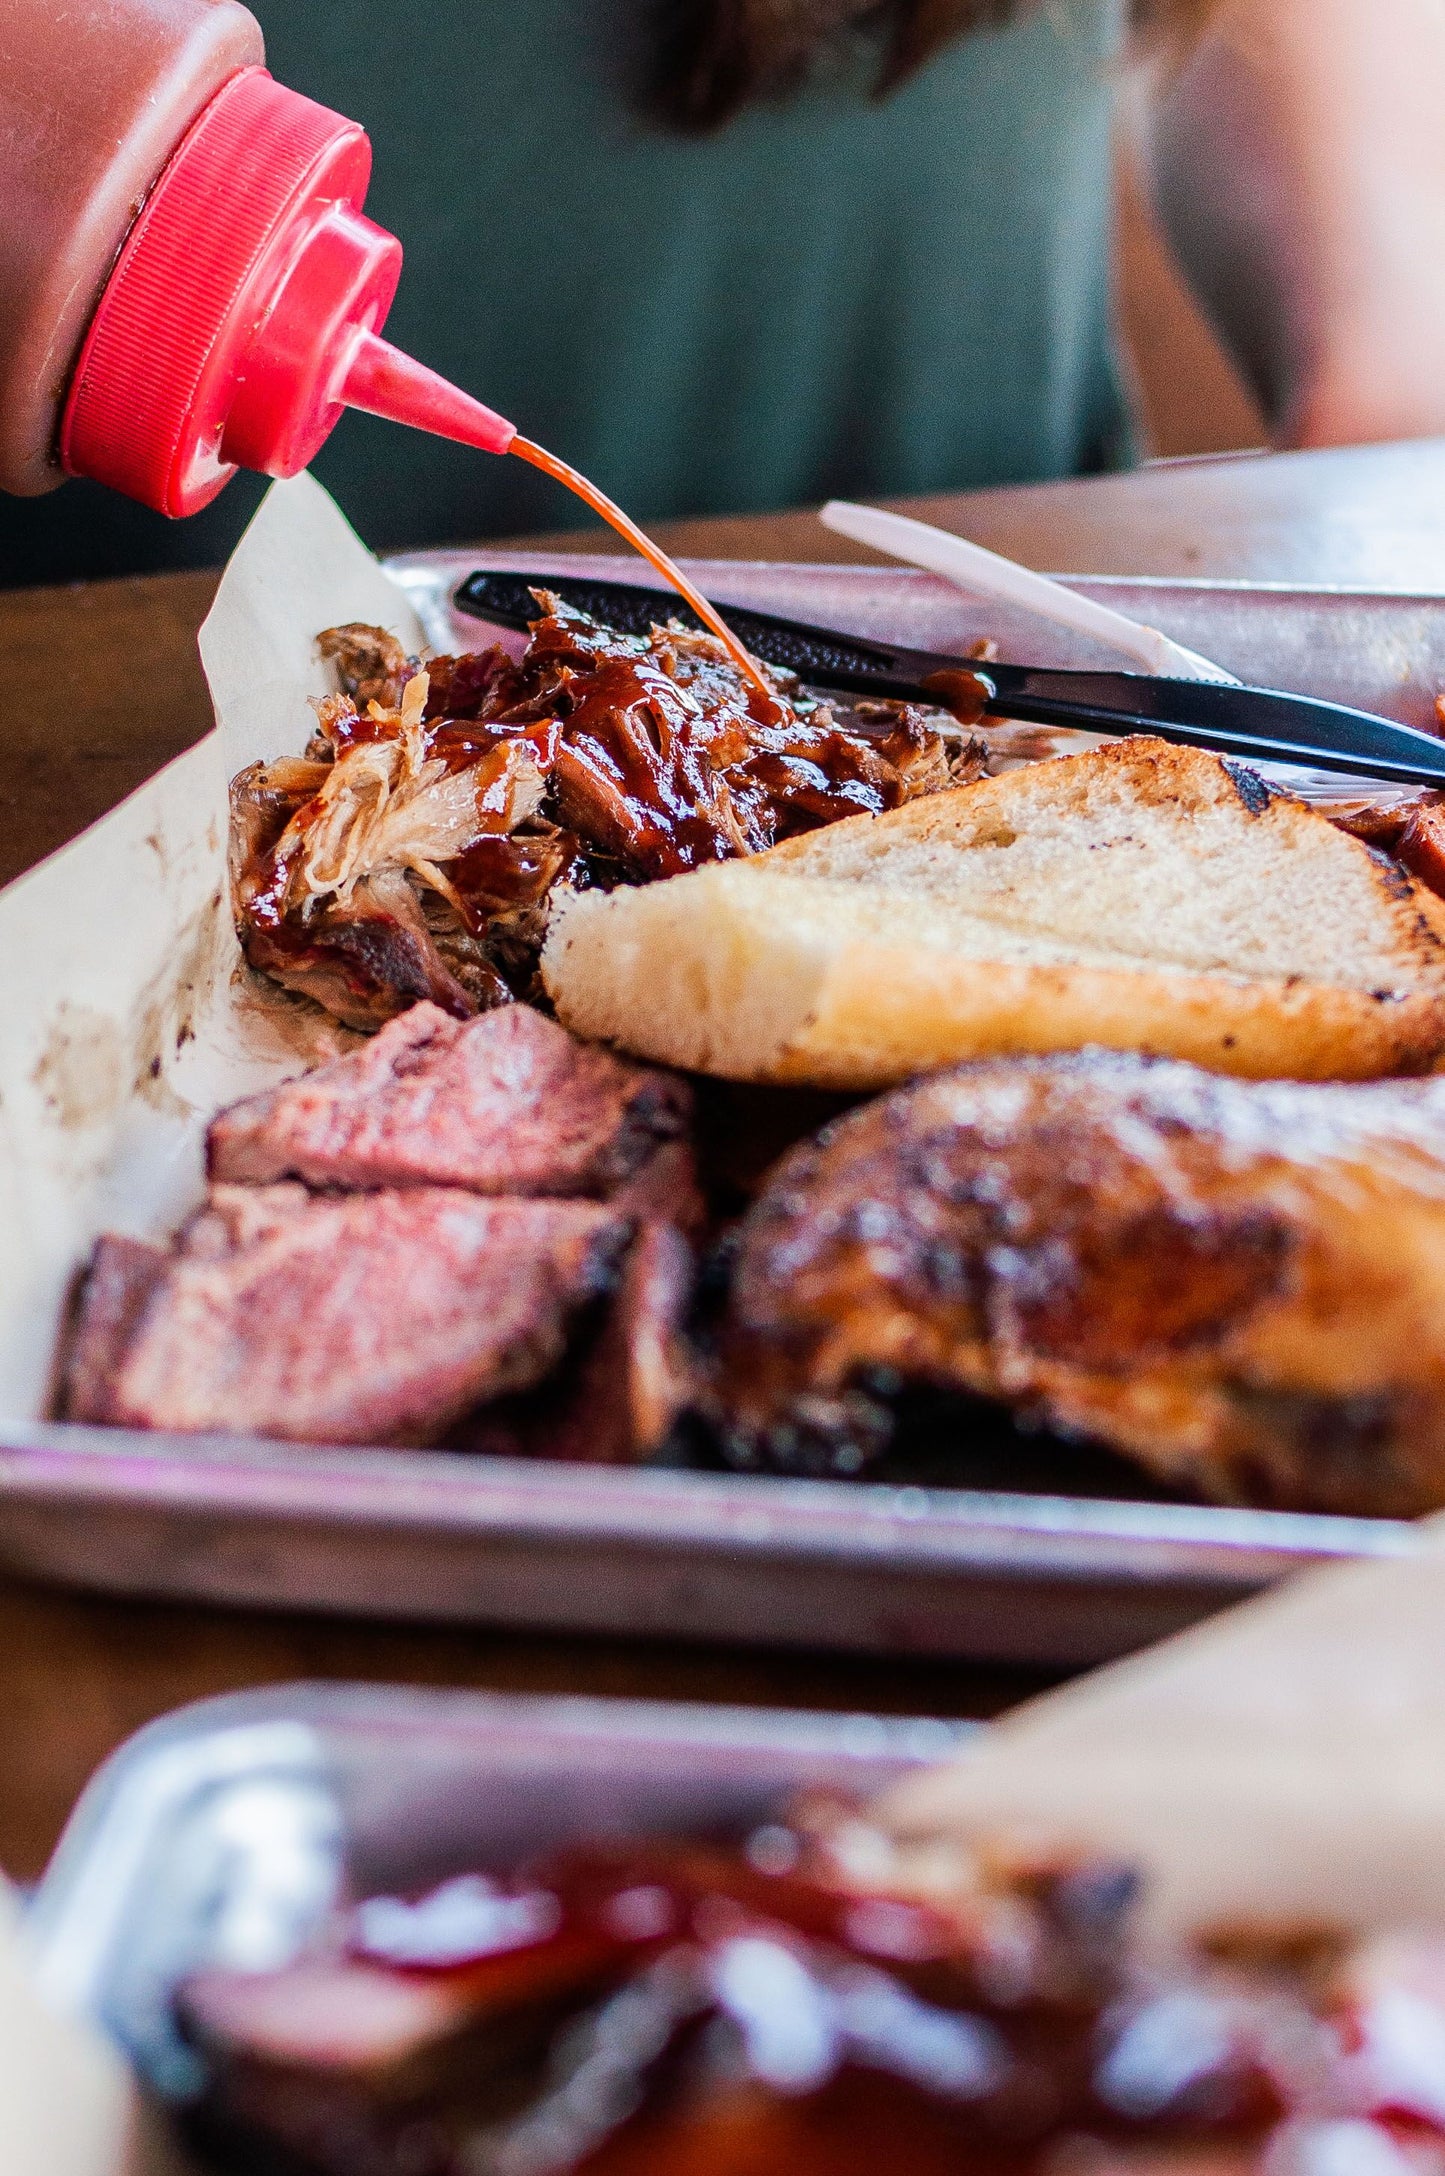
(771, 710)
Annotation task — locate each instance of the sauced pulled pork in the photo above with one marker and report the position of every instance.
(409, 854)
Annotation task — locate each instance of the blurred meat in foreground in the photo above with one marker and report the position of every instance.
(803, 2004)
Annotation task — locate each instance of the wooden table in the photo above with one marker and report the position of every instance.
(101, 685)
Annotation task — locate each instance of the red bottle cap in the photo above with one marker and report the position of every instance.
(240, 318)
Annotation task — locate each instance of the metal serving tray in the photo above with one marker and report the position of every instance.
(223, 1833)
(1042, 1578)
(844, 1565)
(1382, 651)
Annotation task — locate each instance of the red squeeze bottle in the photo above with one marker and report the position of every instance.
(241, 318)
(188, 284)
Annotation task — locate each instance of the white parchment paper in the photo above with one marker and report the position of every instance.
(128, 1016)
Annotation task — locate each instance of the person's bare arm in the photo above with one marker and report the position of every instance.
(1298, 162)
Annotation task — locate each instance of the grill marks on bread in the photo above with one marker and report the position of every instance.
(1156, 854)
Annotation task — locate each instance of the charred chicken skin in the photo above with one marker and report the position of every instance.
(410, 852)
(1239, 1284)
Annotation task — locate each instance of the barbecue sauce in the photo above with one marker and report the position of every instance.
(763, 703)
(660, 2006)
(966, 694)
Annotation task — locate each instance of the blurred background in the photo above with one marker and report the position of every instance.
(1190, 398)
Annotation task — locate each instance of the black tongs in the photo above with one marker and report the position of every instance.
(1258, 723)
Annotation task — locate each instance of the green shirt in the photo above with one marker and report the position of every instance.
(830, 295)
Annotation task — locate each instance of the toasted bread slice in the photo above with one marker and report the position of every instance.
(1140, 897)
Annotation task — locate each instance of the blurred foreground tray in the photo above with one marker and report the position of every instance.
(223, 1833)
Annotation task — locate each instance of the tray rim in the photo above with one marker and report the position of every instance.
(862, 1522)
(423, 566)
(71, 1916)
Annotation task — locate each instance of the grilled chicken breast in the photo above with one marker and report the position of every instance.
(1240, 1284)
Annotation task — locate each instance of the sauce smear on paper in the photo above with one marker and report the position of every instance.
(564, 473)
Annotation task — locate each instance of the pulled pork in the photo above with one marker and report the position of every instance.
(410, 853)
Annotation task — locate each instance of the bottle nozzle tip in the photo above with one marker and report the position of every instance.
(385, 382)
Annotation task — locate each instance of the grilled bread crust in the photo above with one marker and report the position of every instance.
(1139, 897)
